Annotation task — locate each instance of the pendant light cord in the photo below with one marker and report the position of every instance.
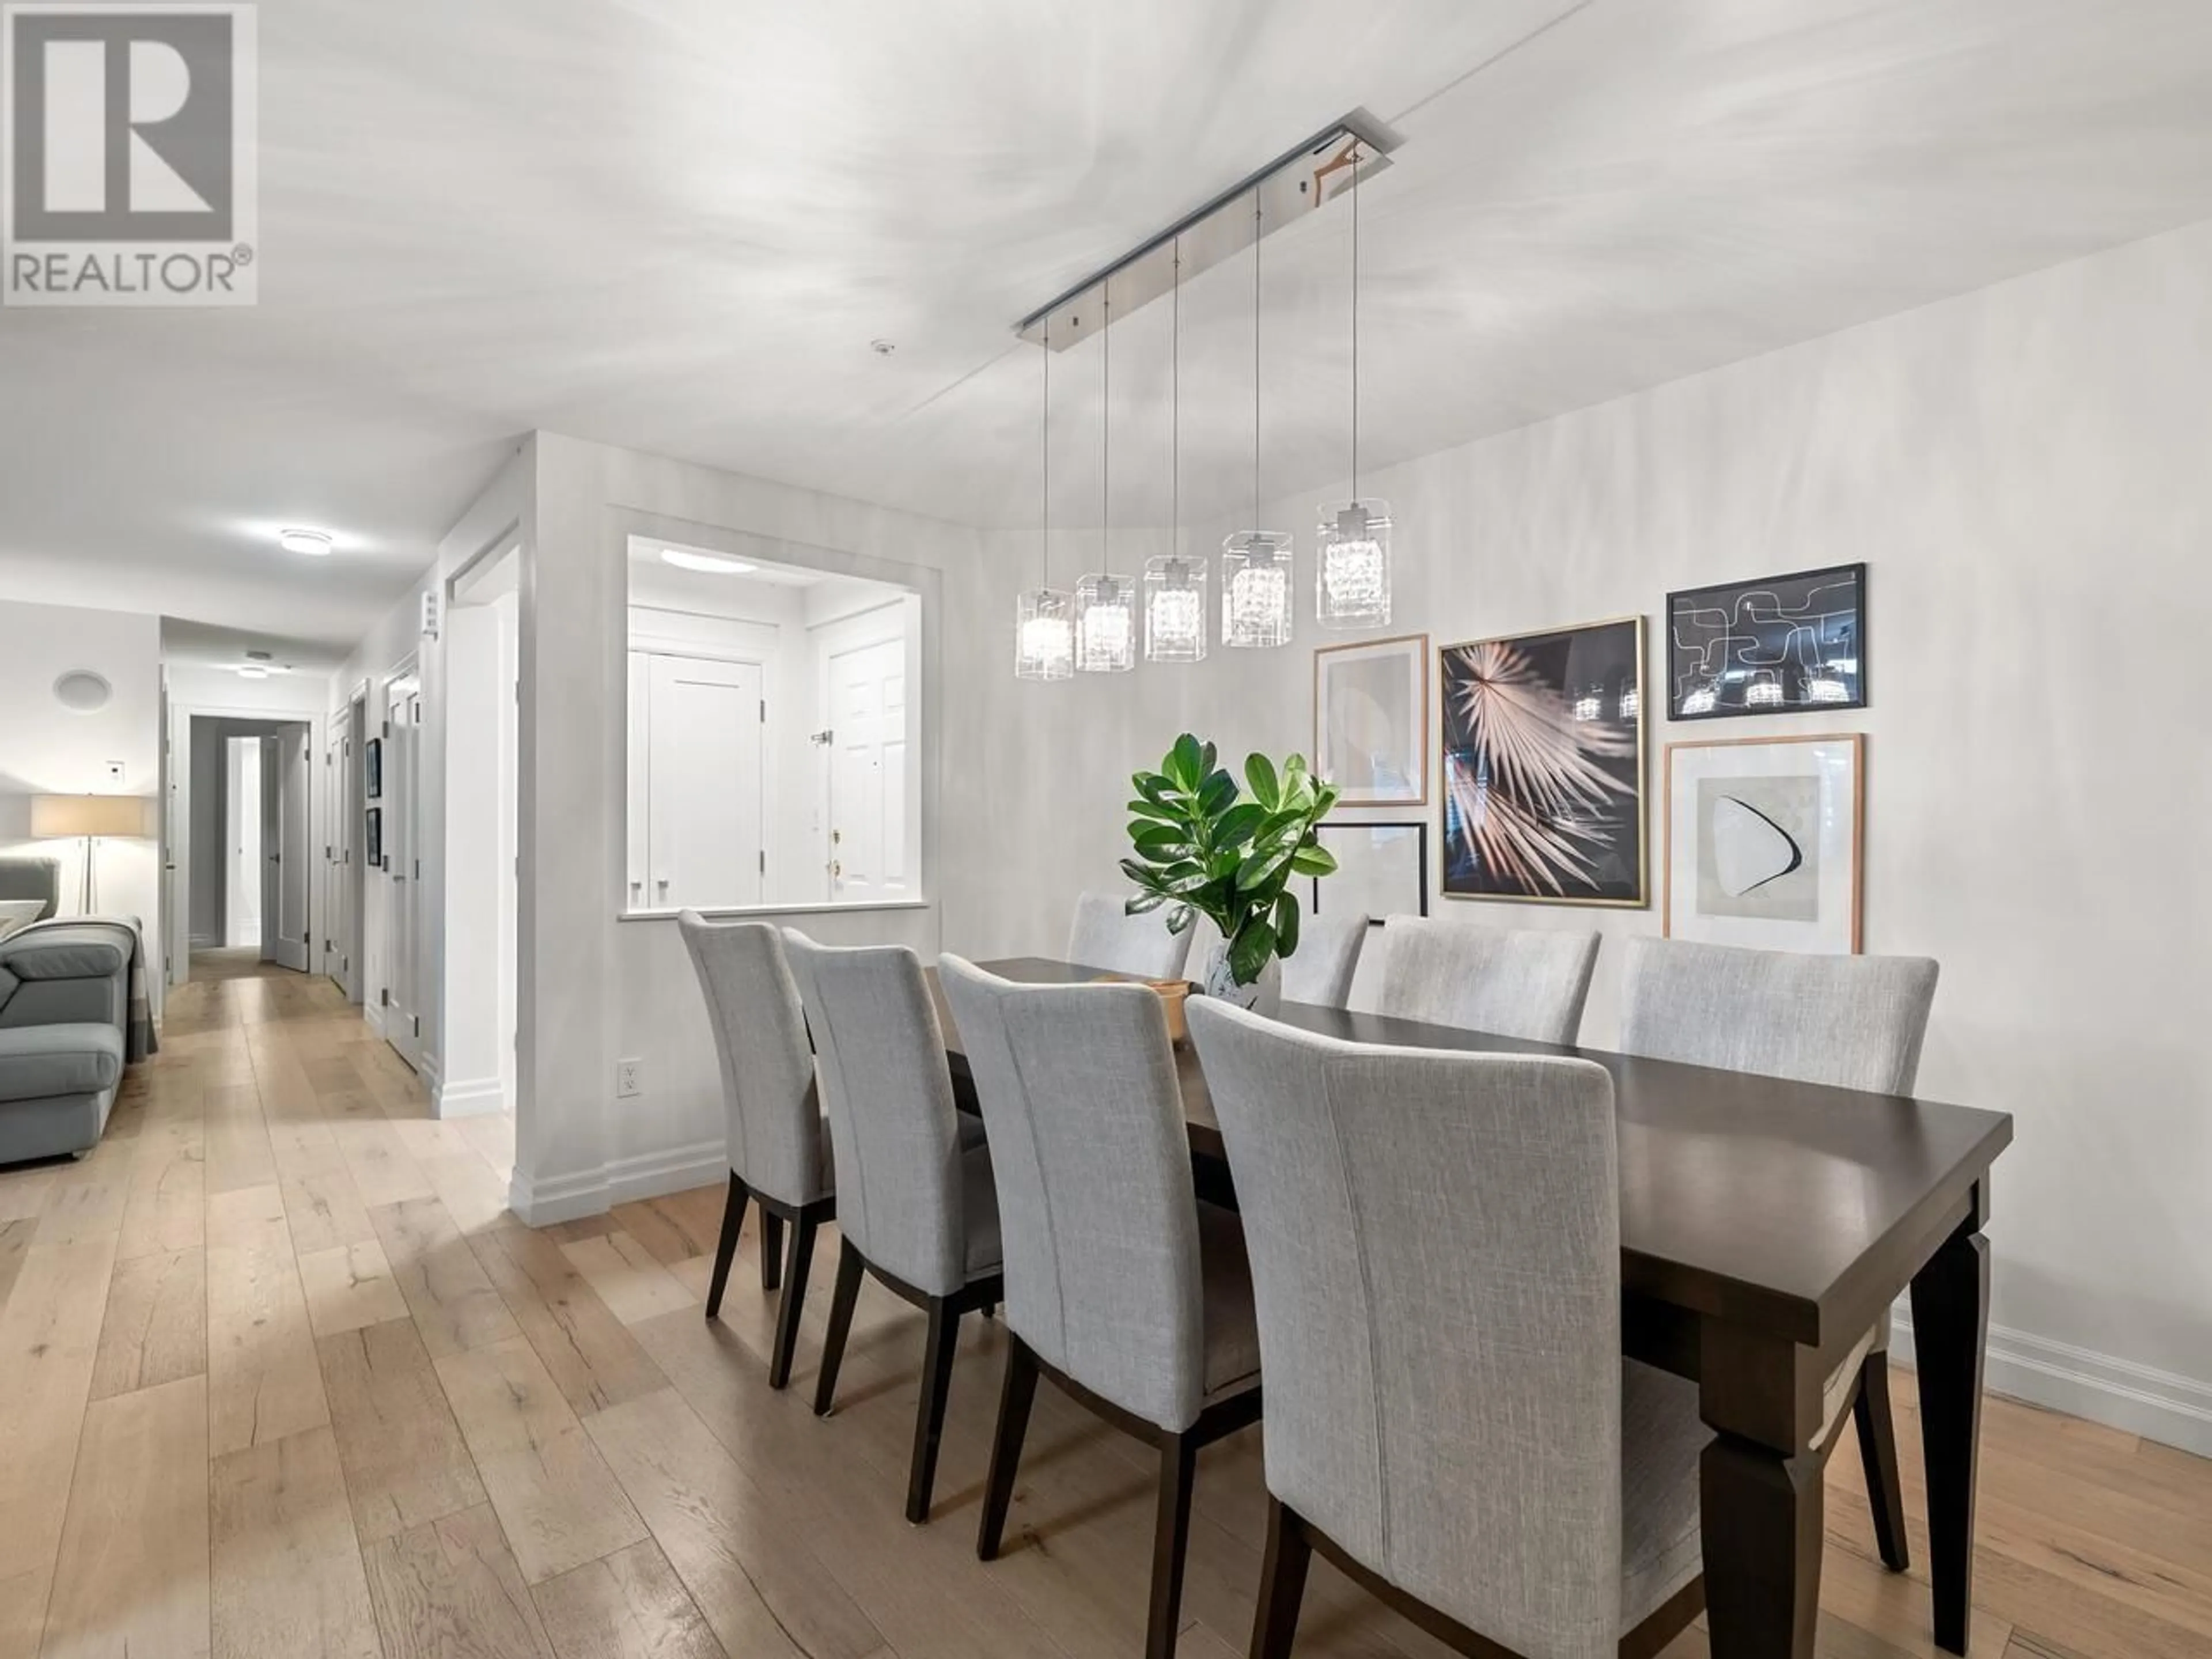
(1044, 555)
(1258, 215)
(1106, 431)
(1175, 417)
(1355, 323)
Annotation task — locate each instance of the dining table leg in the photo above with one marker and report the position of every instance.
(1950, 1337)
(1761, 1501)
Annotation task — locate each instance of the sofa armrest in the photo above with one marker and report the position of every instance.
(71, 974)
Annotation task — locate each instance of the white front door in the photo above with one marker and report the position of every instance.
(704, 816)
(869, 849)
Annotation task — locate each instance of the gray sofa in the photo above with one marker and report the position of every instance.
(64, 1032)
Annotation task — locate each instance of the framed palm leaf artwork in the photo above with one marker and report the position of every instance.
(1543, 753)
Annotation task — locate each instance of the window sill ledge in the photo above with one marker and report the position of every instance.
(723, 912)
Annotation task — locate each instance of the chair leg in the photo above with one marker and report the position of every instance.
(771, 1251)
(1171, 1542)
(1878, 1452)
(794, 1298)
(929, 1416)
(841, 1327)
(1282, 1585)
(733, 1218)
(1014, 1402)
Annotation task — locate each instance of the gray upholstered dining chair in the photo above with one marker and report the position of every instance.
(1130, 1294)
(1522, 982)
(1321, 970)
(1436, 1255)
(1854, 1022)
(1103, 937)
(780, 1147)
(918, 1209)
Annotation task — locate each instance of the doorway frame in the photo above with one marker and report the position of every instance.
(176, 926)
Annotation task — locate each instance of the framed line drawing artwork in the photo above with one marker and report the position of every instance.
(1371, 720)
(375, 838)
(1779, 646)
(1543, 756)
(1765, 842)
(372, 769)
(1382, 869)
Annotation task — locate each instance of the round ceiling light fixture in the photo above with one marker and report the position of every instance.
(82, 692)
(252, 670)
(308, 543)
(257, 666)
(712, 564)
(883, 348)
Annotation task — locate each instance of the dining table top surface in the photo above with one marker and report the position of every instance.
(1797, 1206)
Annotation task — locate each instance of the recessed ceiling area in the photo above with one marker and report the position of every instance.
(694, 258)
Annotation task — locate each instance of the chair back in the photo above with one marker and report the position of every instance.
(768, 1095)
(1092, 1161)
(1103, 936)
(1522, 982)
(1328, 957)
(1435, 1262)
(892, 1121)
(1853, 1022)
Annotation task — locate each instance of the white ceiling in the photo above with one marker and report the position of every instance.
(677, 224)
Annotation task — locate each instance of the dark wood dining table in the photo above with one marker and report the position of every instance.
(1766, 1225)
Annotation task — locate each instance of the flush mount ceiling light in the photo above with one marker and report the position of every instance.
(712, 564)
(307, 543)
(257, 666)
(1351, 565)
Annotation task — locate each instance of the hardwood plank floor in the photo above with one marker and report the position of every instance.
(278, 1375)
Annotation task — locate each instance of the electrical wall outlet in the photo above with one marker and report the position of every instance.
(115, 771)
(630, 1078)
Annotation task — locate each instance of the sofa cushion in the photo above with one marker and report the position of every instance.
(38, 1062)
(8, 984)
(92, 950)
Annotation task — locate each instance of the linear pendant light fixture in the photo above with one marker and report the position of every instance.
(1095, 629)
(1257, 606)
(1175, 585)
(1105, 604)
(1045, 620)
(1351, 567)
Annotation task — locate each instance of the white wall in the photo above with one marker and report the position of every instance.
(47, 750)
(2027, 471)
(594, 989)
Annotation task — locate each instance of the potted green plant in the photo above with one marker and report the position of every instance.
(1202, 849)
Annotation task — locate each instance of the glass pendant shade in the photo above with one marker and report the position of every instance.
(1256, 602)
(1352, 577)
(1175, 609)
(1044, 635)
(1106, 625)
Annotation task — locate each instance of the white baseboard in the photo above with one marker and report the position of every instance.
(372, 1014)
(2176, 1410)
(619, 1180)
(474, 1098)
(432, 1073)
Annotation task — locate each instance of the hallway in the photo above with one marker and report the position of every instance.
(280, 1378)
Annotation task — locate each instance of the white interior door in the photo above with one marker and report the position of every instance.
(704, 816)
(403, 1023)
(870, 852)
(246, 878)
(287, 927)
(337, 935)
(271, 773)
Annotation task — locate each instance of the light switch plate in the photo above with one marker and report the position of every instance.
(115, 771)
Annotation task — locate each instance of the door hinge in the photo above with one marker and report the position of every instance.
(821, 739)
(384, 997)
(763, 711)
(417, 1023)
(418, 869)
(764, 860)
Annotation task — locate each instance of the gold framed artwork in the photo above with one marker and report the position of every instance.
(1371, 720)
(1543, 756)
(1765, 842)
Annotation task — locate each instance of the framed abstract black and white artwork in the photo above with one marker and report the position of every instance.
(1543, 753)
(1382, 869)
(1775, 646)
(374, 837)
(1764, 842)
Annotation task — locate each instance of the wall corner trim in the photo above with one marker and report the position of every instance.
(473, 1098)
(618, 1181)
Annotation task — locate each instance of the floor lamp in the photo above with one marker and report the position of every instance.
(67, 817)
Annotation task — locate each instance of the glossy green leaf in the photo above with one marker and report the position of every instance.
(1287, 917)
(1267, 788)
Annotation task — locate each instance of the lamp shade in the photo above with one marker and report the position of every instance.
(56, 816)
